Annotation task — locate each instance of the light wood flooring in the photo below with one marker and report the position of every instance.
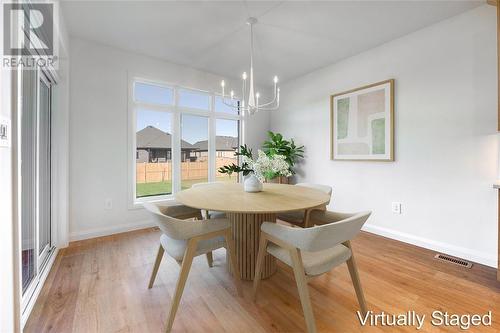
(100, 285)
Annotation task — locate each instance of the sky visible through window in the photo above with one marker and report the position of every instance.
(193, 128)
(149, 93)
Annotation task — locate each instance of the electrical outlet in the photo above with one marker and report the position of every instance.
(108, 204)
(396, 207)
(4, 132)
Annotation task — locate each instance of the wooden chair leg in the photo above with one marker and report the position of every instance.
(258, 264)
(181, 282)
(159, 256)
(307, 218)
(353, 271)
(210, 259)
(234, 264)
(300, 278)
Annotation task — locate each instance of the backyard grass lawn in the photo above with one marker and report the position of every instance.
(148, 189)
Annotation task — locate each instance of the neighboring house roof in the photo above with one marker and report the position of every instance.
(228, 143)
(152, 137)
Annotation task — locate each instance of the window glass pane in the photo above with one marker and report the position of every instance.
(194, 99)
(149, 93)
(227, 143)
(28, 177)
(221, 107)
(153, 153)
(194, 150)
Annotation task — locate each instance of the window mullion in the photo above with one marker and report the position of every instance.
(176, 147)
(212, 142)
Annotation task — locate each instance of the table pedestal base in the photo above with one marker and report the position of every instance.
(246, 234)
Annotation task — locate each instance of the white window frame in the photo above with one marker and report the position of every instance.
(176, 111)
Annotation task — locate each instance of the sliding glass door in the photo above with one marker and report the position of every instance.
(28, 177)
(35, 177)
(44, 178)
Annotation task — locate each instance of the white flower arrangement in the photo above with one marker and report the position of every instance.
(265, 167)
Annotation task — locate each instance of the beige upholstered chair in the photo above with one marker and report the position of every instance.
(178, 210)
(312, 252)
(185, 239)
(210, 214)
(182, 212)
(301, 217)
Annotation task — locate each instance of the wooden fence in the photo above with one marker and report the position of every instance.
(162, 172)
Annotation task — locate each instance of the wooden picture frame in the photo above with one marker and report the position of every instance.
(352, 139)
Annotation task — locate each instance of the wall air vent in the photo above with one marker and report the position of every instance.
(453, 260)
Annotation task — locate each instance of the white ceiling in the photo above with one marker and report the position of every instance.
(292, 37)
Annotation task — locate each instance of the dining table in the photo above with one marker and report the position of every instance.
(247, 211)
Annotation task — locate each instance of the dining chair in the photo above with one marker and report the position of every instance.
(210, 214)
(183, 212)
(185, 239)
(312, 252)
(178, 210)
(301, 217)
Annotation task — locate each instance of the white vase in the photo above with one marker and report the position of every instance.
(252, 184)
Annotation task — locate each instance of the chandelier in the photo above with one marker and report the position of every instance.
(250, 99)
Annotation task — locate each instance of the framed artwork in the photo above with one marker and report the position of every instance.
(362, 123)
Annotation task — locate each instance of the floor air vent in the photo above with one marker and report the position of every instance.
(453, 260)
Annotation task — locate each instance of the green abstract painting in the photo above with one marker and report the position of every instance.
(362, 123)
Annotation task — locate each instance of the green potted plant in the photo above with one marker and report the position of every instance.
(276, 145)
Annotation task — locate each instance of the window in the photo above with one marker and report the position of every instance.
(35, 181)
(226, 145)
(153, 158)
(179, 137)
(153, 94)
(220, 106)
(194, 99)
(194, 150)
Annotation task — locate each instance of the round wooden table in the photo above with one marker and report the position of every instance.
(247, 211)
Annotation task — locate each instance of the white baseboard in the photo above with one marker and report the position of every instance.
(110, 230)
(457, 251)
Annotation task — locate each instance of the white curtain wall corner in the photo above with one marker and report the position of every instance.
(446, 141)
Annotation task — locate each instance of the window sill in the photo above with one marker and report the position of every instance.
(137, 203)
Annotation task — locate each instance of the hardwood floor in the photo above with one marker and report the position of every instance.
(100, 285)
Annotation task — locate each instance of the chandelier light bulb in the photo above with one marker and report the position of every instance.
(275, 79)
(257, 95)
(232, 94)
(222, 84)
(244, 76)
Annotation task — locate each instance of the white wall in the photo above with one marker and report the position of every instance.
(446, 139)
(60, 139)
(98, 132)
(7, 314)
